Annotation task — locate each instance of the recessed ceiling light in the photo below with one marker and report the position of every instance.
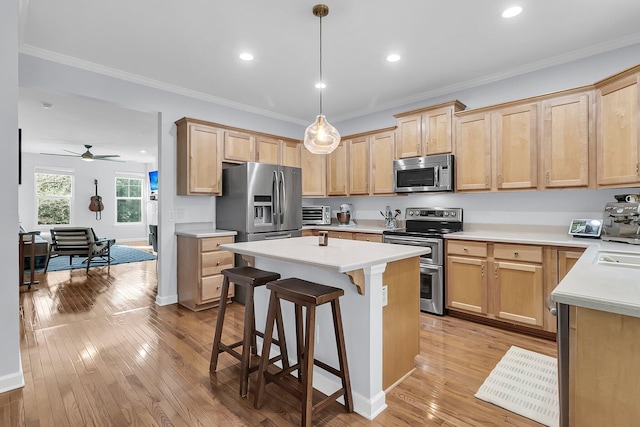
(320, 85)
(393, 58)
(143, 151)
(47, 105)
(246, 56)
(511, 12)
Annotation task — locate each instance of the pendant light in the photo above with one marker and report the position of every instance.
(320, 137)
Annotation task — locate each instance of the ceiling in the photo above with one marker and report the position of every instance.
(191, 47)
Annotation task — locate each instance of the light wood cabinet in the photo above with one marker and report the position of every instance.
(345, 235)
(199, 168)
(238, 147)
(567, 140)
(518, 284)
(382, 157)
(314, 173)
(473, 152)
(268, 150)
(618, 140)
(426, 131)
(516, 147)
(359, 165)
(290, 153)
(199, 265)
(337, 171)
(368, 237)
(498, 281)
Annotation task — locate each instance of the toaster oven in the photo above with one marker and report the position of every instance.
(316, 215)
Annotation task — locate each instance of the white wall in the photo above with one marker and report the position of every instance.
(10, 365)
(84, 175)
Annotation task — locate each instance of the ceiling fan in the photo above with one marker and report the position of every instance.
(87, 156)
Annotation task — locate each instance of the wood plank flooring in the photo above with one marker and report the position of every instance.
(96, 350)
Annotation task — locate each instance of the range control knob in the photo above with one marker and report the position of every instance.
(453, 214)
(410, 213)
(620, 210)
(446, 213)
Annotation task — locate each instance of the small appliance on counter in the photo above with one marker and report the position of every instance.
(585, 228)
(344, 216)
(621, 221)
(316, 215)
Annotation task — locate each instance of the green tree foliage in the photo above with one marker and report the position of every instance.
(54, 198)
(129, 199)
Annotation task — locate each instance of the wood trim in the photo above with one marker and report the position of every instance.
(457, 106)
(369, 133)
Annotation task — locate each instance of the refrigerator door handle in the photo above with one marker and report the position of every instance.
(275, 198)
(283, 200)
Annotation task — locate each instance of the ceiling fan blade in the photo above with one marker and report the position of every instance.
(109, 160)
(104, 156)
(63, 155)
(69, 151)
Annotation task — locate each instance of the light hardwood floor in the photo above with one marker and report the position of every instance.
(96, 350)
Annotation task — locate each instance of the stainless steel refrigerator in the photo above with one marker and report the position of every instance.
(260, 201)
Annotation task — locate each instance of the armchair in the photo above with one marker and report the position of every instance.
(79, 241)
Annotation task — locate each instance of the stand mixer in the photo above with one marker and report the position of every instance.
(621, 222)
(345, 215)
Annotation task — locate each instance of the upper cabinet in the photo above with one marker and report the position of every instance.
(290, 153)
(567, 140)
(359, 165)
(617, 135)
(199, 170)
(426, 131)
(239, 147)
(473, 152)
(382, 149)
(314, 173)
(337, 171)
(277, 151)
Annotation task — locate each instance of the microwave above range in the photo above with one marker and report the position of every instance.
(423, 174)
(316, 215)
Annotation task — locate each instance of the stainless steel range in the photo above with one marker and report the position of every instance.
(425, 227)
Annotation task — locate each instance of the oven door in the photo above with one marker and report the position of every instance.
(432, 289)
(436, 245)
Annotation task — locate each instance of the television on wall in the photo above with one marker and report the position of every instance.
(153, 184)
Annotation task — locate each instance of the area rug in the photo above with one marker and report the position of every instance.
(120, 254)
(524, 382)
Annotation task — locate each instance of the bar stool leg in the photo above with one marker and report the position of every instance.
(281, 339)
(299, 339)
(307, 367)
(247, 338)
(342, 354)
(274, 305)
(215, 350)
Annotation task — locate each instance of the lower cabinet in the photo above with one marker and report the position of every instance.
(507, 283)
(199, 265)
(367, 237)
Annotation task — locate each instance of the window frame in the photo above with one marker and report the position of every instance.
(130, 175)
(53, 171)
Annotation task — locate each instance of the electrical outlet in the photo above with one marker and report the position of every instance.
(385, 296)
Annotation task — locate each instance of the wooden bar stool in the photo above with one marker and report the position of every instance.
(310, 295)
(248, 277)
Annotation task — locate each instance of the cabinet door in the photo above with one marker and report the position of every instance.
(409, 136)
(438, 132)
(314, 173)
(238, 147)
(516, 147)
(618, 140)
(565, 141)
(359, 166)
(382, 156)
(473, 152)
(267, 150)
(566, 261)
(290, 154)
(467, 284)
(203, 171)
(519, 293)
(337, 171)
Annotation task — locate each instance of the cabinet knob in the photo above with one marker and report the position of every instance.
(516, 253)
(465, 249)
(217, 263)
(218, 244)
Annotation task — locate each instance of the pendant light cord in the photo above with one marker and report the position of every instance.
(321, 81)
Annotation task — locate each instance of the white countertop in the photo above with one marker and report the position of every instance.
(361, 226)
(341, 255)
(206, 232)
(588, 284)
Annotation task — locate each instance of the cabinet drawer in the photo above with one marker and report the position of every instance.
(214, 262)
(340, 235)
(212, 243)
(469, 248)
(368, 237)
(211, 287)
(518, 252)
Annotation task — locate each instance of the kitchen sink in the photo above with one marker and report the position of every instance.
(616, 259)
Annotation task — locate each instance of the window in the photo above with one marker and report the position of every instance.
(128, 200)
(54, 196)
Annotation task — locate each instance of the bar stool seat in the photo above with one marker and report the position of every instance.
(309, 295)
(249, 278)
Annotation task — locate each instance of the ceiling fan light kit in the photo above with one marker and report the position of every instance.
(321, 137)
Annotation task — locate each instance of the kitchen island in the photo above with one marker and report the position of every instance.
(380, 308)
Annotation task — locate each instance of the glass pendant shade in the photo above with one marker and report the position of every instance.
(320, 137)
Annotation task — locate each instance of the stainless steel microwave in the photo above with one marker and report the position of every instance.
(423, 174)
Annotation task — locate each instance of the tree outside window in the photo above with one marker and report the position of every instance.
(54, 194)
(128, 200)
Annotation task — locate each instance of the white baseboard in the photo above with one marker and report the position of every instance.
(168, 300)
(12, 381)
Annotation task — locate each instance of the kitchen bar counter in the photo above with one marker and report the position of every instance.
(382, 328)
